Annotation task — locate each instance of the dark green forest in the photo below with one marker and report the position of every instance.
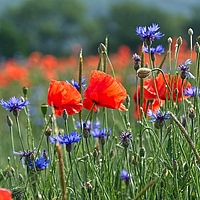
(54, 28)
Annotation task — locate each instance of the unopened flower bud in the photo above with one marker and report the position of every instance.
(192, 113)
(179, 41)
(197, 47)
(142, 152)
(44, 108)
(48, 131)
(190, 31)
(64, 115)
(25, 91)
(169, 40)
(9, 121)
(143, 72)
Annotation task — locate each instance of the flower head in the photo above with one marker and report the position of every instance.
(158, 117)
(191, 92)
(149, 34)
(5, 194)
(38, 163)
(14, 104)
(185, 69)
(159, 49)
(125, 139)
(136, 59)
(65, 139)
(42, 162)
(104, 91)
(63, 96)
(125, 176)
(76, 84)
(175, 83)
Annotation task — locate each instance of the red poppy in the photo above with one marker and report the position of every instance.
(175, 83)
(62, 95)
(104, 91)
(5, 194)
(153, 105)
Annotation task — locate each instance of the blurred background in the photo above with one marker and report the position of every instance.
(63, 26)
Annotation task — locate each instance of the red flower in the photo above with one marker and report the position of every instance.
(104, 91)
(5, 194)
(62, 95)
(175, 83)
(154, 105)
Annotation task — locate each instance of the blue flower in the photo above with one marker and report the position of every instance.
(100, 132)
(158, 117)
(76, 84)
(42, 162)
(149, 34)
(27, 157)
(185, 69)
(191, 92)
(14, 104)
(125, 139)
(65, 139)
(159, 49)
(136, 58)
(125, 176)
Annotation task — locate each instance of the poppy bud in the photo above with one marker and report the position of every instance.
(143, 72)
(192, 113)
(190, 31)
(64, 115)
(179, 41)
(44, 107)
(197, 47)
(142, 152)
(9, 121)
(25, 91)
(169, 40)
(48, 131)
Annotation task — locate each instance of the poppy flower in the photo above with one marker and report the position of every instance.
(63, 96)
(5, 194)
(177, 87)
(153, 105)
(176, 84)
(104, 91)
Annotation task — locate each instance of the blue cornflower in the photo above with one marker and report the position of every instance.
(88, 126)
(27, 156)
(191, 92)
(76, 84)
(125, 176)
(125, 139)
(185, 69)
(66, 139)
(42, 162)
(159, 49)
(14, 105)
(149, 34)
(136, 59)
(100, 132)
(158, 117)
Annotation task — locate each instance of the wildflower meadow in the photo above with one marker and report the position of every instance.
(109, 126)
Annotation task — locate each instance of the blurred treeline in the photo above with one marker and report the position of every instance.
(55, 27)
